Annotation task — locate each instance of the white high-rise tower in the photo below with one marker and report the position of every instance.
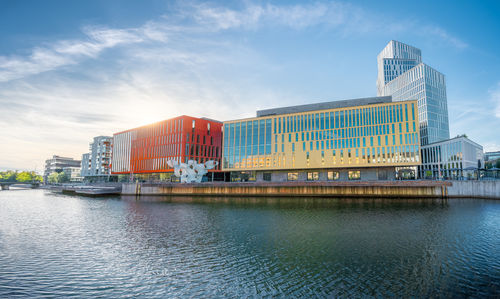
(402, 75)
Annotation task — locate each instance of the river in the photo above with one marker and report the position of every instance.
(58, 245)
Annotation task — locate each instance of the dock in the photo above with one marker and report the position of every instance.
(92, 191)
(358, 189)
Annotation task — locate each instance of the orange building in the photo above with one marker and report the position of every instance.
(146, 149)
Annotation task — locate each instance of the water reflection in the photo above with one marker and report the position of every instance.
(221, 247)
(297, 202)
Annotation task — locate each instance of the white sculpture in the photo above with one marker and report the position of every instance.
(191, 171)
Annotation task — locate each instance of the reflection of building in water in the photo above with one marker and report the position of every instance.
(361, 139)
(451, 158)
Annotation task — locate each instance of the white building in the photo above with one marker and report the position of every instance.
(57, 164)
(96, 163)
(73, 174)
(452, 158)
(402, 75)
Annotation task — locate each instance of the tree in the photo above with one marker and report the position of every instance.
(62, 177)
(497, 163)
(53, 178)
(37, 177)
(9, 176)
(24, 177)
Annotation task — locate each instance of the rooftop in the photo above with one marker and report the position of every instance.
(324, 106)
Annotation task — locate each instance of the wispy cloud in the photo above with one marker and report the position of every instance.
(208, 18)
(336, 15)
(68, 52)
(257, 16)
(63, 93)
(443, 35)
(495, 98)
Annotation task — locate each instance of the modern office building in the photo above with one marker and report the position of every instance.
(73, 174)
(57, 163)
(403, 75)
(96, 165)
(453, 158)
(367, 139)
(146, 150)
(491, 156)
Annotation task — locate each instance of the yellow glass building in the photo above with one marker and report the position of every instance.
(370, 138)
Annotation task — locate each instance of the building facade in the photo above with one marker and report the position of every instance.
(146, 150)
(96, 165)
(365, 139)
(73, 174)
(57, 163)
(453, 158)
(402, 75)
(491, 156)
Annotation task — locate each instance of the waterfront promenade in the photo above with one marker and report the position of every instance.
(373, 189)
(385, 189)
(349, 189)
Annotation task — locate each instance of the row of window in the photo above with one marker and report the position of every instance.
(314, 175)
(201, 150)
(163, 128)
(395, 154)
(343, 119)
(347, 133)
(409, 139)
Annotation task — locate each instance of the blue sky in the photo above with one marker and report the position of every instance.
(72, 70)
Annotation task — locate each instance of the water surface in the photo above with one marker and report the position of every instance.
(56, 245)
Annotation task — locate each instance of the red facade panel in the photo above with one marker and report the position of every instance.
(182, 138)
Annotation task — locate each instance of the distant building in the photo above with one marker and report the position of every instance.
(402, 75)
(145, 150)
(360, 139)
(452, 158)
(491, 156)
(96, 165)
(73, 174)
(57, 163)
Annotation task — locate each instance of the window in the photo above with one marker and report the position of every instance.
(354, 175)
(293, 176)
(266, 176)
(313, 176)
(333, 175)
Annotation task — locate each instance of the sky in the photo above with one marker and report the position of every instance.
(73, 70)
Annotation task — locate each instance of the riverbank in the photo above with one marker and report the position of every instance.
(372, 189)
(348, 189)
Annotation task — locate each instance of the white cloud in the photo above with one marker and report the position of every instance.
(495, 98)
(208, 18)
(68, 52)
(254, 16)
(444, 36)
(158, 70)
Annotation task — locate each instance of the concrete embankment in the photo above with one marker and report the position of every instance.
(479, 189)
(373, 189)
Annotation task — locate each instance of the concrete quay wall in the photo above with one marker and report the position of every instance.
(479, 189)
(373, 189)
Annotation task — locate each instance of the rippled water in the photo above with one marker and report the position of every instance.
(55, 245)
